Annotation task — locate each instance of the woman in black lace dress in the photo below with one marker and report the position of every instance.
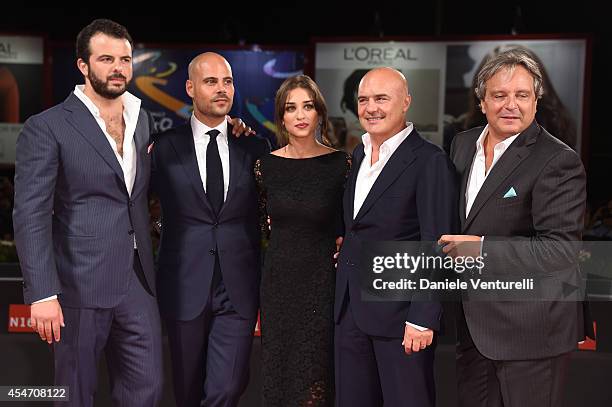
(301, 186)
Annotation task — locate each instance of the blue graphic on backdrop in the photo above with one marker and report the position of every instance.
(159, 80)
(160, 74)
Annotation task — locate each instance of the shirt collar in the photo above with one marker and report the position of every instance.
(503, 145)
(131, 104)
(200, 129)
(391, 144)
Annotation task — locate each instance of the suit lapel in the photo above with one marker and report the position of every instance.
(518, 151)
(349, 201)
(141, 140)
(398, 162)
(84, 123)
(185, 149)
(236, 161)
(465, 174)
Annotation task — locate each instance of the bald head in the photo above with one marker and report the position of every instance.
(390, 75)
(206, 59)
(383, 100)
(211, 86)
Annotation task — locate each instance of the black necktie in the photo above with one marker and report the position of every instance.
(214, 172)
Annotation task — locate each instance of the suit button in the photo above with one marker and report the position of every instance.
(216, 225)
(212, 252)
(348, 263)
(353, 233)
(131, 232)
(131, 204)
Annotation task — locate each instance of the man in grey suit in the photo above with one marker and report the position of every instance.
(523, 197)
(82, 228)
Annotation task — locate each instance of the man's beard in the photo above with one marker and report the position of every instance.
(103, 89)
(220, 111)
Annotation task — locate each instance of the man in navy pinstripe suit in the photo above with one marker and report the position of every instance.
(82, 228)
(523, 196)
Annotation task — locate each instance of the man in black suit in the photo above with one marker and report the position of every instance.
(209, 267)
(401, 187)
(522, 202)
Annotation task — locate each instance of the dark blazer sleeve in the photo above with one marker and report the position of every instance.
(437, 213)
(152, 141)
(437, 198)
(453, 148)
(558, 206)
(264, 147)
(36, 168)
(340, 227)
(152, 129)
(154, 165)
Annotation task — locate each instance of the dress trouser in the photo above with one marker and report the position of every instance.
(211, 353)
(130, 336)
(483, 382)
(373, 371)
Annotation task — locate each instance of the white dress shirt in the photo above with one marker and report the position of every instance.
(368, 173)
(131, 110)
(201, 139)
(478, 173)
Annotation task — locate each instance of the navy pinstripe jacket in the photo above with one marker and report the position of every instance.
(74, 220)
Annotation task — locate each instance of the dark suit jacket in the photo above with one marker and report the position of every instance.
(413, 198)
(192, 234)
(539, 224)
(74, 220)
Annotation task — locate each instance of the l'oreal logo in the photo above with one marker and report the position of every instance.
(6, 51)
(375, 55)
